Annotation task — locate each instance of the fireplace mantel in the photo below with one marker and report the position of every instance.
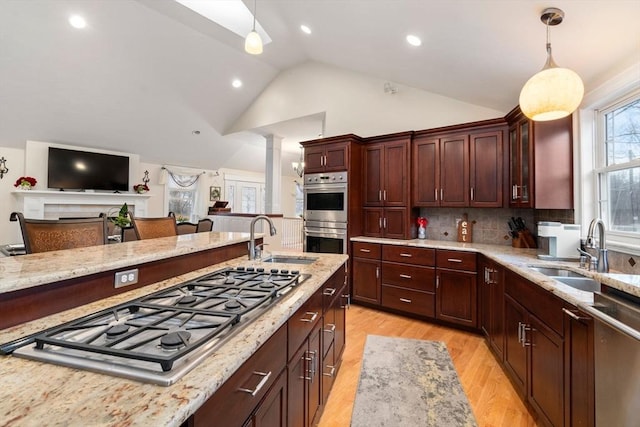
(38, 204)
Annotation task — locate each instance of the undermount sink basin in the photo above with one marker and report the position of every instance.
(557, 272)
(290, 259)
(570, 278)
(580, 283)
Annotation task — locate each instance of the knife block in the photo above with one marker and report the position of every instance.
(524, 240)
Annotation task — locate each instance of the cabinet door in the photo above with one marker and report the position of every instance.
(372, 222)
(578, 369)
(395, 191)
(314, 383)
(366, 280)
(554, 164)
(340, 337)
(426, 172)
(336, 157)
(272, 411)
(454, 171)
(395, 223)
(486, 170)
(484, 298)
(496, 288)
(373, 175)
(456, 297)
(546, 377)
(314, 159)
(514, 164)
(515, 353)
(296, 390)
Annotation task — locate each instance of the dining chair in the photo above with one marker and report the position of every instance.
(44, 235)
(186, 227)
(151, 228)
(204, 225)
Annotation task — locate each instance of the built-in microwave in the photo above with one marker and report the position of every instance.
(325, 197)
(328, 238)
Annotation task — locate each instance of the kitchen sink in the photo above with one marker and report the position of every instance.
(290, 259)
(557, 272)
(580, 283)
(570, 278)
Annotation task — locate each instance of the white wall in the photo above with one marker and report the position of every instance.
(10, 231)
(354, 103)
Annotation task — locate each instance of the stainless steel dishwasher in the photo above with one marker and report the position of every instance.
(617, 359)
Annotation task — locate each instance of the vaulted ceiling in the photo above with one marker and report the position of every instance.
(145, 74)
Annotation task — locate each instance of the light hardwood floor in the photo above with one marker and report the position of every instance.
(493, 399)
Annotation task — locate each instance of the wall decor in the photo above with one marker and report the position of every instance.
(214, 193)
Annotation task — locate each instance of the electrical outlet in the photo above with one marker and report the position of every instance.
(126, 278)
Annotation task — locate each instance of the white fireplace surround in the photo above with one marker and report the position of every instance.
(60, 204)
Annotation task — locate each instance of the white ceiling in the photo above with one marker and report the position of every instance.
(144, 74)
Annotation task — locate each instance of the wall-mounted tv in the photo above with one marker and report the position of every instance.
(84, 170)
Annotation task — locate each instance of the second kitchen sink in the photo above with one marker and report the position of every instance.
(570, 278)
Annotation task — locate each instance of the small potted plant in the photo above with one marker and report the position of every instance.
(25, 183)
(140, 188)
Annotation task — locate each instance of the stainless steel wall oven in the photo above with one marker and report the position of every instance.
(325, 212)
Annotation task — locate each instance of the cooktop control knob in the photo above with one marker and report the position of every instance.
(283, 271)
(295, 272)
(274, 270)
(250, 269)
(240, 268)
(260, 270)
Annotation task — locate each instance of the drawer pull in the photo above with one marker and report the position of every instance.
(405, 276)
(331, 327)
(454, 260)
(313, 316)
(365, 250)
(406, 255)
(265, 377)
(329, 292)
(574, 315)
(408, 301)
(331, 372)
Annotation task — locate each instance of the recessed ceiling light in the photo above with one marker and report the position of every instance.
(305, 29)
(414, 40)
(236, 83)
(77, 21)
(195, 132)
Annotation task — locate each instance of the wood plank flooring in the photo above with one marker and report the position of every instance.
(493, 399)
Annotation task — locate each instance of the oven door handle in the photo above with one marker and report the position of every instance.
(335, 234)
(329, 188)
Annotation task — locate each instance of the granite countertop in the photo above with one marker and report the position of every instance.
(42, 394)
(25, 271)
(518, 260)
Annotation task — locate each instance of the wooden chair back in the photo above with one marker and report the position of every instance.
(186, 227)
(44, 235)
(204, 225)
(151, 228)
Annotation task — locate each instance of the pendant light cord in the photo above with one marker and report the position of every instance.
(255, 5)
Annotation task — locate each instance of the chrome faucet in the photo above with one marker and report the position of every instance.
(602, 261)
(252, 238)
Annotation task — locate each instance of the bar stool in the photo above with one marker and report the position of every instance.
(151, 228)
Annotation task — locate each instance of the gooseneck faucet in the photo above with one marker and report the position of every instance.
(602, 262)
(252, 238)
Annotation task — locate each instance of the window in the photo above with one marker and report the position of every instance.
(182, 200)
(618, 166)
(245, 196)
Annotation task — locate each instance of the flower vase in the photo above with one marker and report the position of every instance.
(25, 186)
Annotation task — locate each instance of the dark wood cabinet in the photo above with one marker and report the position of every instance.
(491, 305)
(326, 157)
(456, 293)
(459, 166)
(366, 272)
(534, 347)
(579, 368)
(386, 180)
(272, 411)
(304, 382)
(540, 162)
(408, 280)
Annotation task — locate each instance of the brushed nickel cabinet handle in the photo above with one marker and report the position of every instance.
(405, 276)
(265, 377)
(329, 292)
(454, 260)
(365, 250)
(313, 314)
(408, 301)
(406, 255)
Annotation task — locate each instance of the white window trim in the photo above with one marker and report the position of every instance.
(585, 187)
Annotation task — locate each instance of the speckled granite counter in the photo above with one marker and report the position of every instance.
(408, 382)
(40, 394)
(518, 261)
(21, 272)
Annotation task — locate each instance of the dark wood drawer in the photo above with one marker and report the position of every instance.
(332, 286)
(230, 405)
(303, 321)
(409, 255)
(409, 276)
(540, 302)
(366, 250)
(408, 300)
(456, 260)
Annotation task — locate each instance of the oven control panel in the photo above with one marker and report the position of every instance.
(325, 178)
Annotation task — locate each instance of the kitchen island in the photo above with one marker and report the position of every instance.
(42, 394)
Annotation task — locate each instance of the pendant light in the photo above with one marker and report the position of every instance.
(554, 92)
(298, 167)
(253, 42)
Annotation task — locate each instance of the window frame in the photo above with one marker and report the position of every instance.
(591, 150)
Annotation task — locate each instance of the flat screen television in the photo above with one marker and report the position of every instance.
(84, 170)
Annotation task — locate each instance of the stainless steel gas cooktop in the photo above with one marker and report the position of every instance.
(160, 337)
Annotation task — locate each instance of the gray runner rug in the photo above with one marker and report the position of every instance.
(408, 382)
